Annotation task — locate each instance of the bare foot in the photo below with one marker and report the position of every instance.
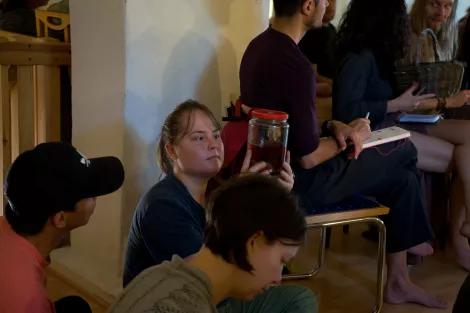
(398, 293)
(459, 250)
(423, 249)
(465, 230)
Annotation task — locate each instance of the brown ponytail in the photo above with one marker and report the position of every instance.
(174, 128)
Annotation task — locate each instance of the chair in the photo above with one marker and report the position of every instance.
(345, 214)
(46, 21)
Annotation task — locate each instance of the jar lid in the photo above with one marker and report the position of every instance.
(270, 114)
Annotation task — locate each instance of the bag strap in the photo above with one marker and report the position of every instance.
(425, 32)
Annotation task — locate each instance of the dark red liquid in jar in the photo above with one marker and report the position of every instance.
(273, 153)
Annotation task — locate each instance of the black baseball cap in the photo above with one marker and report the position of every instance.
(54, 176)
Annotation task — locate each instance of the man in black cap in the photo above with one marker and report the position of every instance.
(50, 190)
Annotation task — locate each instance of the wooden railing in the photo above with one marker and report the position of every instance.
(29, 93)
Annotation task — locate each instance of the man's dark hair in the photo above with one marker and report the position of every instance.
(288, 8)
(244, 206)
(29, 225)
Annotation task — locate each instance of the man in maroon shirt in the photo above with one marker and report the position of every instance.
(274, 74)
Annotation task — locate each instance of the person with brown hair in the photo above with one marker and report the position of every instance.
(171, 217)
(254, 226)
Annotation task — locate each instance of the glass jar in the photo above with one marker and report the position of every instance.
(267, 138)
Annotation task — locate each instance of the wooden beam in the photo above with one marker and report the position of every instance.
(48, 103)
(35, 53)
(26, 108)
(5, 148)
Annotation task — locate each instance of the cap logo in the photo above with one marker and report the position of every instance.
(84, 160)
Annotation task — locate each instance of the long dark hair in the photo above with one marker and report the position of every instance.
(380, 26)
(174, 128)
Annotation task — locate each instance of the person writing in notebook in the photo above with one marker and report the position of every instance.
(274, 74)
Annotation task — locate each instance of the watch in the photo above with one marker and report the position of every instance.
(325, 131)
(441, 103)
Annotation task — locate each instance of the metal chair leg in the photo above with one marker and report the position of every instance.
(321, 258)
(380, 257)
(328, 237)
(380, 265)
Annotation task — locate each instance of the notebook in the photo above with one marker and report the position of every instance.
(386, 135)
(420, 118)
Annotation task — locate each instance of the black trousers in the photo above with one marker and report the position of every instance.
(462, 303)
(72, 304)
(389, 174)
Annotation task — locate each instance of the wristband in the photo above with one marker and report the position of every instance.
(441, 103)
(325, 131)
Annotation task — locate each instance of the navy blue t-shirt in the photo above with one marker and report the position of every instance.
(167, 221)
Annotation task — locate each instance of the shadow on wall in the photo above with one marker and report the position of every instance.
(95, 242)
(199, 64)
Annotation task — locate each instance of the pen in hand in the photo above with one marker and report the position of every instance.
(350, 146)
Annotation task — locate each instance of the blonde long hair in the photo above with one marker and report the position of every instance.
(447, 37)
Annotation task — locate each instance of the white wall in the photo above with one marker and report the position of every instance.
(98, 96)
(132, 64)
(176, 50)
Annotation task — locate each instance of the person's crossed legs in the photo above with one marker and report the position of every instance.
(388, 173)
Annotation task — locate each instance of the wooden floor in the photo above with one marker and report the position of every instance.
(346, 283)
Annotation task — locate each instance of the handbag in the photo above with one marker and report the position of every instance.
(443, 79)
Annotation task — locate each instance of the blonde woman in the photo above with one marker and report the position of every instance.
(439, 16)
